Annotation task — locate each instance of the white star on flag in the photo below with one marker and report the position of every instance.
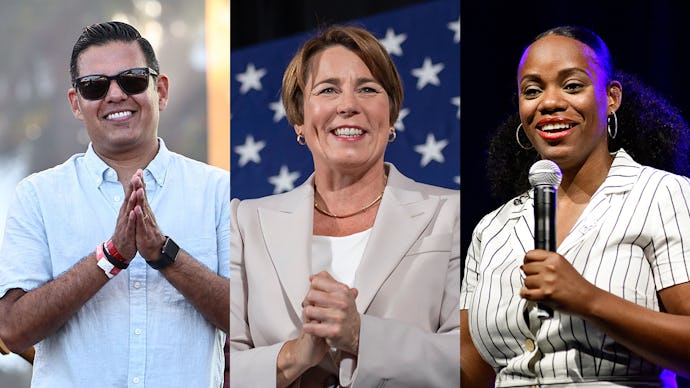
(251, 78)
(455, 27)
(399, 125)
(249, 151)
(392, 42)
(456, 101)
(428, 73)
(284, 181)
(278, 109)
(431, 150)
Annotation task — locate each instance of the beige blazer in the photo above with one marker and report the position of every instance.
(408, 281)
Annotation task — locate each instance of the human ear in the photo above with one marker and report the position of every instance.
(74, 104)
(614, 96)
(162, 88)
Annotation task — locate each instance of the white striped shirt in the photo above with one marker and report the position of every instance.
(628, 241)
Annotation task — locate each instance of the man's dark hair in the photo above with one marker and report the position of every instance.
(103, 33)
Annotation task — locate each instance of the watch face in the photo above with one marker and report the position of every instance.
(168, 255)
(170, 249)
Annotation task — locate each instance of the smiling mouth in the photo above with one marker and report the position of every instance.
(555, 127)
(119, 115)
(348, 132)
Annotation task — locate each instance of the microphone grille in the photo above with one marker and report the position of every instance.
(545, 173)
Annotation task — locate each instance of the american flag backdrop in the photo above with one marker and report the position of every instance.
(424, 42)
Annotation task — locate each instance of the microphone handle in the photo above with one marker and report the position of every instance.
(545, 229)
(545, 218)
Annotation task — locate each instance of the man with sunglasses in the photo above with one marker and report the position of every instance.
(116, 262)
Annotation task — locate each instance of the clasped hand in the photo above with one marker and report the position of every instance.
(330, 314)
(552, 280)
(136, 229)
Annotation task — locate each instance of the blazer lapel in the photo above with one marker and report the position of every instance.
(402, 217)
(287, 229)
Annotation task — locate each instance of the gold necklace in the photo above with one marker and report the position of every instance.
(327, 213)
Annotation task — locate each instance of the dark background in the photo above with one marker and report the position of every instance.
(252, 22)
(650, 39)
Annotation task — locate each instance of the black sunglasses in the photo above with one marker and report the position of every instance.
(132, 81)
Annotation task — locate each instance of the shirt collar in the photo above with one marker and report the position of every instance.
(157, 168)
(622, 174)
(159, 165)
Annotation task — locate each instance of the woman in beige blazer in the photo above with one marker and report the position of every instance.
(351, 279)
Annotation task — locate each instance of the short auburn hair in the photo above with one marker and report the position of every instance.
(355, 39)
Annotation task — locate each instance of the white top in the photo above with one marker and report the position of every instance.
(631, 240)
(339, 256)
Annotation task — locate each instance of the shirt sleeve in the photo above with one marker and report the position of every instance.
(250, 364)
(24, 255)
(223, 226)
(471, 272)
(669, 223)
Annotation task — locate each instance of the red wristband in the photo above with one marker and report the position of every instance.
(103, 263)
(112, 251)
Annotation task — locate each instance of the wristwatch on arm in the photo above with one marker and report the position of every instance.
(168, 255)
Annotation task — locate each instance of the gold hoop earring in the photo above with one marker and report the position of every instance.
(613, 133)
(392, 135)
(300, 139)
(517, 137)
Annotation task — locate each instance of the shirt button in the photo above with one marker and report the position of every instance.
(136, 380)
(529, 344)
(137, 331)
(116, 198)
(137, 285)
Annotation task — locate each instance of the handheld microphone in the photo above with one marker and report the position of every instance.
(545, 177)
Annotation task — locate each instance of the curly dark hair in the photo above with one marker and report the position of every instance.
(650, 129)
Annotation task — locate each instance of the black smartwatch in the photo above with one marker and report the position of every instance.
(168, 255)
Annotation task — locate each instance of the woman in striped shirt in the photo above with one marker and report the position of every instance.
(618, 283)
